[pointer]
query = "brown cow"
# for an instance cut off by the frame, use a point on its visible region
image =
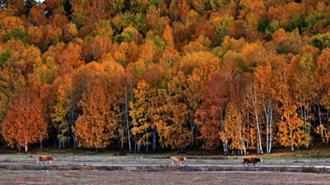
(252, 160)
(44, 159)
(177, 160)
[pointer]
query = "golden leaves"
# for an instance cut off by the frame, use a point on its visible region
(168, 36)
(141, 112)
(97, 126)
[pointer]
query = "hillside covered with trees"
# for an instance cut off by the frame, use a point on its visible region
(160, 75)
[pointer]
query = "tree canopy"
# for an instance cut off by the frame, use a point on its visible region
(231, 75)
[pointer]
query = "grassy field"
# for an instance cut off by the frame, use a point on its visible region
(318, 152)
(314, 152)
(73, 167)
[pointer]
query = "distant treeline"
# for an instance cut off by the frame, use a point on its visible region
(152, 75)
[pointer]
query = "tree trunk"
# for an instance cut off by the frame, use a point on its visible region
(240, 136)
(319, 113)
(306, 126)
(268, 112)
(225, 149)
(40, 144)
(192, 139)
(26, 148)
(122, 140)
(291, 137)
(259, 148)
(267, 128)
(270, 128)
(135, 145)
(154, 140)
(127, 125)
(18, 148)
(328, 122)
(72, 118)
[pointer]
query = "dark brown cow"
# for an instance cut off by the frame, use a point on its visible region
(252, 160)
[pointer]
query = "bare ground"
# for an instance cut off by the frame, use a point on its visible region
(67, 159)
(147, 170)
(8, 177)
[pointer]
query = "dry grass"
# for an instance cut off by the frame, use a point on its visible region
(315, 152)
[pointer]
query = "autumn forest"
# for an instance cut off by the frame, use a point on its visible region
(165, 75)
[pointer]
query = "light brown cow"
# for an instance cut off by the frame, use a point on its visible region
(177, 160)
(45, 159)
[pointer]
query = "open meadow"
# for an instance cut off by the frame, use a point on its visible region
(281, 167)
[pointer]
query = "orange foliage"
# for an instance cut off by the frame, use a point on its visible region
(208, 116)
(171, 74)
(97, 126)
(24, 123)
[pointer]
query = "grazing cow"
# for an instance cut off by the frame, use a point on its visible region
(46, 159)
(177, 160)
(252, 160)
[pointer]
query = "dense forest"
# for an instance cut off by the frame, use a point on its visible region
(153, 75)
